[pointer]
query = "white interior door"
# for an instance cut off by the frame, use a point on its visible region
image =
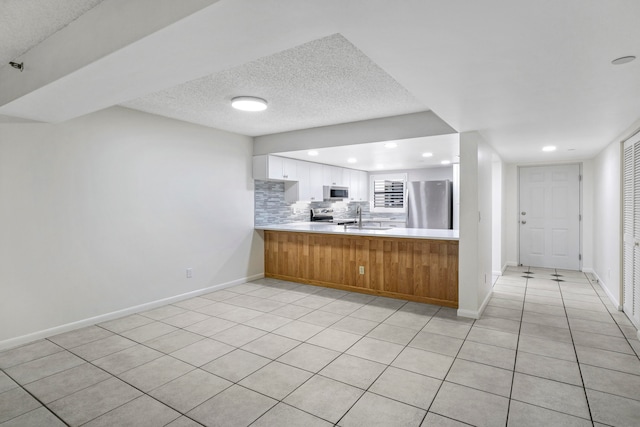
(631, 230)
(550, 216)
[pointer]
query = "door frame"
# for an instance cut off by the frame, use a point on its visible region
(580, 203)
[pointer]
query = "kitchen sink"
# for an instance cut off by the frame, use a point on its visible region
(370, 227)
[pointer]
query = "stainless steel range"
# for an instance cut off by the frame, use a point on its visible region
(326, 215)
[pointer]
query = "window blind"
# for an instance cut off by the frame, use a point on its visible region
(388, 193)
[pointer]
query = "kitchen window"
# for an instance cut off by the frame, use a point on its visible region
(388, 193)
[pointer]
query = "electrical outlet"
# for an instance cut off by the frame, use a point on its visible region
(189, 273)
(361, 269)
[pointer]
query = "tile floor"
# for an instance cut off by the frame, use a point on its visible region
(273, 353)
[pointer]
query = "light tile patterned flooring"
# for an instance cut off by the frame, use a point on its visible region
(273, 353)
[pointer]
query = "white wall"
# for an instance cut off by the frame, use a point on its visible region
(587, 241)
(503, 217)
(498, 256)
(414, 125)
(607, 221)
(105, 212)
(485, 225)
(475, 224)
(511, 218)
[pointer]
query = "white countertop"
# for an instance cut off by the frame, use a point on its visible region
(324, 228)
(364, 220)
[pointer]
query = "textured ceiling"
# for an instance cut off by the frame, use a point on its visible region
(323, 82)
(25, 23)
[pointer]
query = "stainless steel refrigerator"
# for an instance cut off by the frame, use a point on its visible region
(430, 204)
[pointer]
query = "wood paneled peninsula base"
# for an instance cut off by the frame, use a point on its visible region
(420, 270)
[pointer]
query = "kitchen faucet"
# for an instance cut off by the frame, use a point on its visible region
(359, 214)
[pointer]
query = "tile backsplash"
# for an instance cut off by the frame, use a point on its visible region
(271, 208)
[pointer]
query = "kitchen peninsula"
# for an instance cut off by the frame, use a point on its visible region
(408, 263)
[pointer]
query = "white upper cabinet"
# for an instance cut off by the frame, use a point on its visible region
(275, 168)
(309, 185)
(364, 186)
(334, 175)
(315, 182)
(358, 185)
(289, 169)
(304, 180)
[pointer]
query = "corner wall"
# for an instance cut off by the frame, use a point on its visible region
(607, 228)
(105, 212)
(474, 289)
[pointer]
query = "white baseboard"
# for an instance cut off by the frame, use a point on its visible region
(613, 300)
(472, 314)
(24, 339)
(501, 272)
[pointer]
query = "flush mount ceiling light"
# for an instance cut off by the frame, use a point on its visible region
(623, 60)
(352, 160)
(445, 162)
(248, 103)
(312, 153)
(390, 145)
(549, 148)
(427, 154)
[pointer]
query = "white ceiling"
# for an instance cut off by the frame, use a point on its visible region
(319, 83)
(523, 74)
(377, 156)
(25, 23)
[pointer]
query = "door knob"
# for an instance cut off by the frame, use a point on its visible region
(524, 222)
(523, 213)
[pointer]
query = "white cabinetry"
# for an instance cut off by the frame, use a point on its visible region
(309, 185)
(304, 180)
(334, 175)
(274, 168)
(358, 185)
(315, 193)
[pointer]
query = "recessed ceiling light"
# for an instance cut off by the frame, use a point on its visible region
(623, 60)
(427, 154)
(352, 160)
(390, 145)
(249, 103)
(445, 162)
(312, 153)
(549, 148)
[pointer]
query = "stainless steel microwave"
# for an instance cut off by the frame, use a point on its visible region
(332, 193)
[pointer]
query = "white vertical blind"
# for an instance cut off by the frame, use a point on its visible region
(631, 229)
